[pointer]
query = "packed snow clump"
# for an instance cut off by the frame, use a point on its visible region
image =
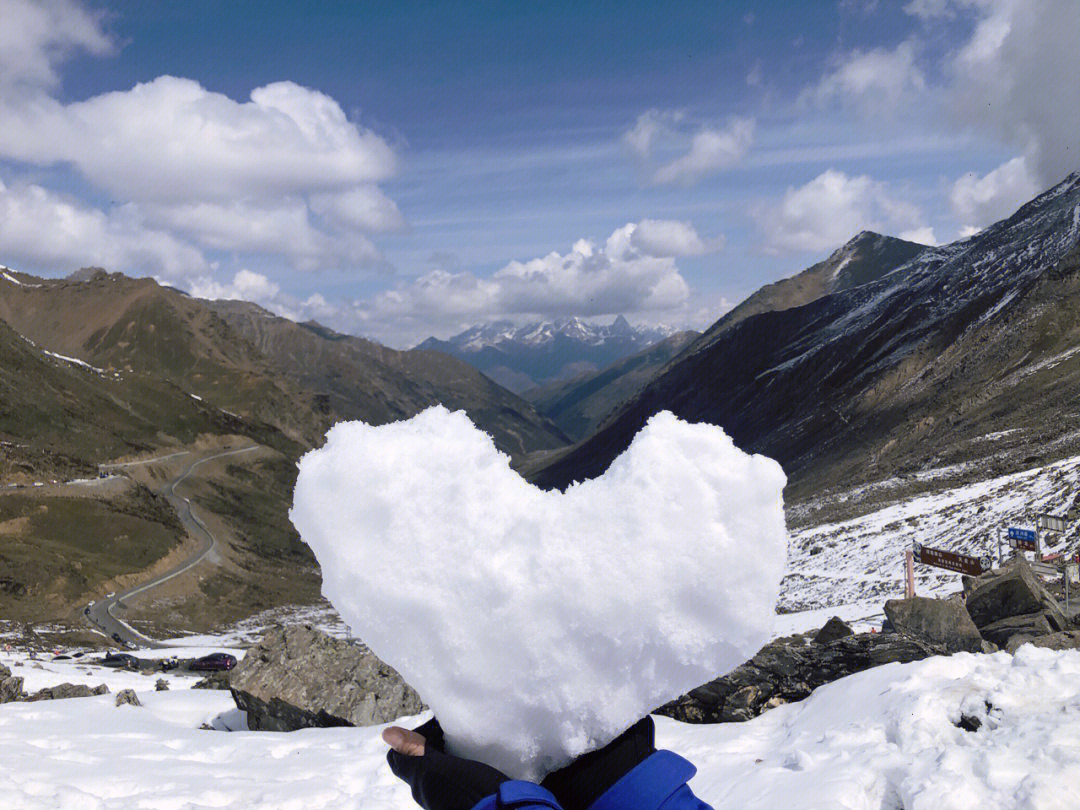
(540, 625)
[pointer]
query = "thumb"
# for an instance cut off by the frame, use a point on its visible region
(405, 742)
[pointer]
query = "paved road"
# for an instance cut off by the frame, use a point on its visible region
(101, 612)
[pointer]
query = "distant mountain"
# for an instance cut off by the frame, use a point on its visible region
(579, 405)
(359, 379)
(867, 257)
(523, 357)
(967, 353)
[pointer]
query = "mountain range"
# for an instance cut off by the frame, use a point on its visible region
(911, 369)
(523, 357)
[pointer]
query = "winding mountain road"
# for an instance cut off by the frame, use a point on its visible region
(100, 612)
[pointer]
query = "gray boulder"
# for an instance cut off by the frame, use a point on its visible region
(938, 621)
(1066, 640)
(834, 628)
(789, 669)
(298, 677)
(161, 685)
(1026, 626)
(63, 691)
(127, 697)
(11, 687)
(1016, 591)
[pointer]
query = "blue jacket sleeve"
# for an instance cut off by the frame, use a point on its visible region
(657, 783)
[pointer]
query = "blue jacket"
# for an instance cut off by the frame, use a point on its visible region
(656, 783)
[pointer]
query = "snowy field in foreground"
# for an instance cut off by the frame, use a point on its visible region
(880, 740)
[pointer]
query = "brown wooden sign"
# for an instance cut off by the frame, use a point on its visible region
(951, 560)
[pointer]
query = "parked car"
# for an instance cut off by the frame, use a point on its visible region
(120, 660)
(215, 662)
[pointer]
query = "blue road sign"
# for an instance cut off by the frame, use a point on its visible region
(1021, 534)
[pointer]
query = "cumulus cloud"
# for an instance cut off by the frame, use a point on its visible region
(833, 207)
(669, 237)
(172, 140)
(878, 79)
(1012, 79)
(657, 134)
(979, 201)
(58, 233)
(246, 285)
(37, 35)
(283, 173)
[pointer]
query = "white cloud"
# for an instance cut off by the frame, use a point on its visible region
(284, 173)
(246, 285)
(38, 34)
(979, 201)
(1017, 78)
(703, 152)
(283, 228)
(923, 236)
(58, 233)
(878, 80)
(172, 140)
(668, 237)
(832, 208)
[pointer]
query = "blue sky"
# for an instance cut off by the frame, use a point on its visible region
(401, 169)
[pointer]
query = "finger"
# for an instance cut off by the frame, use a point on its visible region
(404, 741)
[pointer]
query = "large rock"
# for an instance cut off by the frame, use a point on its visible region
(1027, 626)
(834, 628)
(127, 697)
(1067, 640)
(937, 621)
(298, 677)
(11, 687)
(63, 691)
(789, 669)
(1016, 591)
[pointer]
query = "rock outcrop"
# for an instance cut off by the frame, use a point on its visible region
(11, 687)
(834, 628)
(1066, 640)
(1014, 591)
(127, 697)
(944, 622)
(63, 691)
(789, 669)
(298, 677)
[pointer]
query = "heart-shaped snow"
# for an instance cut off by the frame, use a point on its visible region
(540, 625)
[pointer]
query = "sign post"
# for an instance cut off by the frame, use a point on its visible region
(1023, 539)
(951, 560)
(909, 566)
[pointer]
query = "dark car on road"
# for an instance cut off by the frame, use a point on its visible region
(120, 660)
(215, 662)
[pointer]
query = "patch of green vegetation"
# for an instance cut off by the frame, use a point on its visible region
(54, 551)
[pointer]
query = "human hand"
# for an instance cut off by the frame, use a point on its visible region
(439, 781)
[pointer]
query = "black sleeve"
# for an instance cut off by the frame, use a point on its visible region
(589, 776)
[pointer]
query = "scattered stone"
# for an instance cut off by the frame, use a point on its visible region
(938, 621)
(789, 669)
(834, 628)
(215, 680)
(127, 697)
(1015, 591)
(1066, 640)
(161, 685)
(969, 722)
(1029, 625)
(11, 687)
(298, 677)
(69, 690)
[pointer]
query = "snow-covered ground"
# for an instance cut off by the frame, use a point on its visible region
(847, 566)
(884, 739)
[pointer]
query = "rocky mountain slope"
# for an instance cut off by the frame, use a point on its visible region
(359, 379)
(578, 406)
(520, 358)
(867, 257)
(975, 338)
